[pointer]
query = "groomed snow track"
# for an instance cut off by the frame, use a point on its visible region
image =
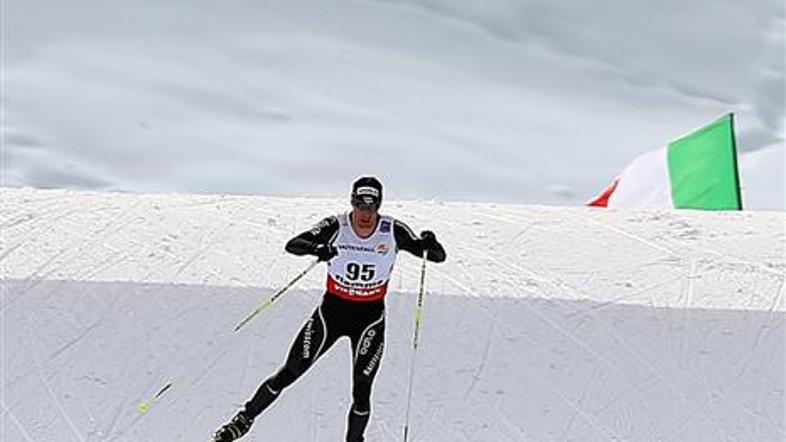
(544, 324)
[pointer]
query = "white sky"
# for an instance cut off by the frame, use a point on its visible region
(529, 101)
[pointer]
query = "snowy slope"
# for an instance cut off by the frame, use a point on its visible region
(544, 323)
(527, 101)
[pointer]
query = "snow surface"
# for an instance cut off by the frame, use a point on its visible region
(545, 324)
(528, 101)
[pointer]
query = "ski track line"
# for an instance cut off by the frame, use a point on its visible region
(635, 238)
(548, 384)
(123, 432)
(724, 258)
(478, 430)
(117, 257)
(531, 275)
(554, 390)
(572, 419)
(778, 300)
(463, 267)
(93, 422)
(89, 273)
(16, 221)
(685, 421)
(10, 250)
(66, 315)
(402, 385)
(510, 425)
(519, 235)
(627, 392)
(36, 278)
(35, 231)
(597, 425)
(115, 419)
(688, 293)
(155, 328)
(429, 423)
(41, 219)
(211, 365)
(766, 419)
(658, 284)
(15, 420)
(257, 227)
(504, 219)
(314, 412)
(561, 329)
(556, 281)
(743, 373)
(249, 357)
(32, 281)
(57, 199)
(198, 418)
(198, 254)
(552, 281)
(47, 387)
(13, 382)
(765, 329)
(482, 364)
(76, 340)
(612, 302)
(646, 363)
(384, 428)
(208, 202)
(565, 332)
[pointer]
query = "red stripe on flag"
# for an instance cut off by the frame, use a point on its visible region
(603, 199)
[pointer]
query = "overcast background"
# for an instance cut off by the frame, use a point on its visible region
(529, 101)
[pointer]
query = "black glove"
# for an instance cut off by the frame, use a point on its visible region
(325, 252)
(428, 239)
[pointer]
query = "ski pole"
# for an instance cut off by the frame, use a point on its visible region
(144, 407)
(267, 303)
(415, 339)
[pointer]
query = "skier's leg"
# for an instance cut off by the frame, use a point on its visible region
(312, 341)
(367, 355)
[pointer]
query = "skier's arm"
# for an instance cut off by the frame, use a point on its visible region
(307, 242)
(406, 240)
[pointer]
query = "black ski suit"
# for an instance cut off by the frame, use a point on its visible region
(362, 322)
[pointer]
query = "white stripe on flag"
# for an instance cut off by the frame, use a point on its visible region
(645, 183)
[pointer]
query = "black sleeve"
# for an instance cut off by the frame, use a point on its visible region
(306, 242)
(407, 240)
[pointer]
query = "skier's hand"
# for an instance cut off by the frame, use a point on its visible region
(428, 239)
(325, 252)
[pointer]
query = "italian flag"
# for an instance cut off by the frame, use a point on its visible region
(697, 171)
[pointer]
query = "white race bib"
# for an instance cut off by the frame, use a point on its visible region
(362, 269)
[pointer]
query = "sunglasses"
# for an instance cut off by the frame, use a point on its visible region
(365, 202)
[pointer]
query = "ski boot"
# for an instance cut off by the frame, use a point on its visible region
(234, 430)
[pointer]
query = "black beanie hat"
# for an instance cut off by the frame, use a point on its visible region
(367, 193)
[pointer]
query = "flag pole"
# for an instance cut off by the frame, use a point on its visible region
(736, 165)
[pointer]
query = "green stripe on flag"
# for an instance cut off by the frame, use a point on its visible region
(703, 168)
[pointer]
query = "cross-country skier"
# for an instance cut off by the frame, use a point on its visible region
(360, 249)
